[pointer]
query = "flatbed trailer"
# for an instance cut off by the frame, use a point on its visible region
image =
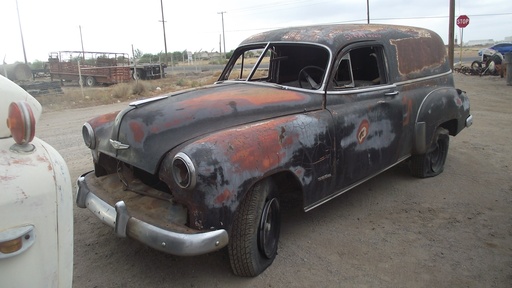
(92, 67)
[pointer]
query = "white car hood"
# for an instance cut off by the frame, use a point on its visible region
(10, 92)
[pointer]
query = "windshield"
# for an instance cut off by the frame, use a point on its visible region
(288, 64)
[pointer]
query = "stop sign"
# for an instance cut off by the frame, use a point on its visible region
(462, 21)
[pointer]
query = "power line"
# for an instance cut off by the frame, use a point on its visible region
(377, 19)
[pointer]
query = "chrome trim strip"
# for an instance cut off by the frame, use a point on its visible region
(174, 243)
(469, 121)
(424, 78)
(144, 101)
(334, 195)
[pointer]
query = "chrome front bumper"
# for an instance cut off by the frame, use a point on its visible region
(176, 243)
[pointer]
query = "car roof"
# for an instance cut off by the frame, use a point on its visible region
(335, 36)
(418, 52)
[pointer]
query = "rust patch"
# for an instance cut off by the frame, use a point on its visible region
(7, 178)
(262, 149)
(100, 120)
(417, 54)
(244, 96)
(223, 197)
(137, 131)
(407, 108)
(362, 131)
(22, 161)
(45, 160)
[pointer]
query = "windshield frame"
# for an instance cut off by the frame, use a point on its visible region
(239, 53)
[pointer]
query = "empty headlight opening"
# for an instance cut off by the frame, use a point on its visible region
(89, 136)
(183, 171)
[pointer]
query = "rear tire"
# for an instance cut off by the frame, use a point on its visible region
(139, 74)
(432, 163)
(255, 232)
(90, 81)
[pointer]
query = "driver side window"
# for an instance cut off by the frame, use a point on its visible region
(359, 67)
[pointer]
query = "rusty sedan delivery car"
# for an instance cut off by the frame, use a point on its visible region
(312, 111)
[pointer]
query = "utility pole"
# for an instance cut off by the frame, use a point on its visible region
(163, 26)
(82, 42)
(368, 11)
(21, 33)
(223, 35)
(451, 32)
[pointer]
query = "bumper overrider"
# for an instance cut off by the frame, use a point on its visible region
(181, 242)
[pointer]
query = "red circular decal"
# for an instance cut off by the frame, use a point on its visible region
(362, 131)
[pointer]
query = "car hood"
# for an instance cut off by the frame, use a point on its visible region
(153, 127)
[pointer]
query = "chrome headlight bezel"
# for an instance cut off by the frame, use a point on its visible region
(89, 136)
(184, 171)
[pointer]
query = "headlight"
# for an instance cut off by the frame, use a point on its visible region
(88, 135)
(183, 171)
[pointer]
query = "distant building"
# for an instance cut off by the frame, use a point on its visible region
(480, 42)
(508, 39)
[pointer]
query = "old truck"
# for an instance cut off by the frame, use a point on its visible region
(99, 67)
(321, 110)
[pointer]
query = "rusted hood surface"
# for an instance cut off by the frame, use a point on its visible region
(153, 128)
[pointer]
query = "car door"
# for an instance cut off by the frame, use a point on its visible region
(368, 115)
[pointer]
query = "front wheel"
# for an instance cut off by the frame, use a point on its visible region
(432, 163)
(255, 232)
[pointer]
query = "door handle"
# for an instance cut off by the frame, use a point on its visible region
(391, 94)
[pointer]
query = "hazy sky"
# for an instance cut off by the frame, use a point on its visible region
(116, 25)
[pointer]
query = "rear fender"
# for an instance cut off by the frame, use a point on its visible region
(444, 107)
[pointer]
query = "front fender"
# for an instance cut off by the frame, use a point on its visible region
(447, 107)
(230, 162)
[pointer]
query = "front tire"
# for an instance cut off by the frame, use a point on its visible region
(255, 232)
(432, 163)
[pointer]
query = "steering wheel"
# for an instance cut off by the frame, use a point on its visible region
(307, 72)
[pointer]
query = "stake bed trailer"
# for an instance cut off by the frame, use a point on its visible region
(99, 67)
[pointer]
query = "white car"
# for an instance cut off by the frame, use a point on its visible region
(36, 206)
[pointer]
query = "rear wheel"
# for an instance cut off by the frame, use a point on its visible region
(138, 74)
(255, 232)
(432, 163)
(90, 81)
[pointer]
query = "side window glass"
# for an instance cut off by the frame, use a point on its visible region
(359, 68)
(245, 63)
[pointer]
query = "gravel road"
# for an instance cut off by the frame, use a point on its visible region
(454, 230)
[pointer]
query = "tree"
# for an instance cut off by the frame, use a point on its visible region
(137, 53)
(37, 64)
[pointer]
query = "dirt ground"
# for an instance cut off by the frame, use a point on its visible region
(454, 230)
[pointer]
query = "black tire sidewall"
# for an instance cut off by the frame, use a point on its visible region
(421, 165)
(244, 253)
(90, 81)
(440, 145)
